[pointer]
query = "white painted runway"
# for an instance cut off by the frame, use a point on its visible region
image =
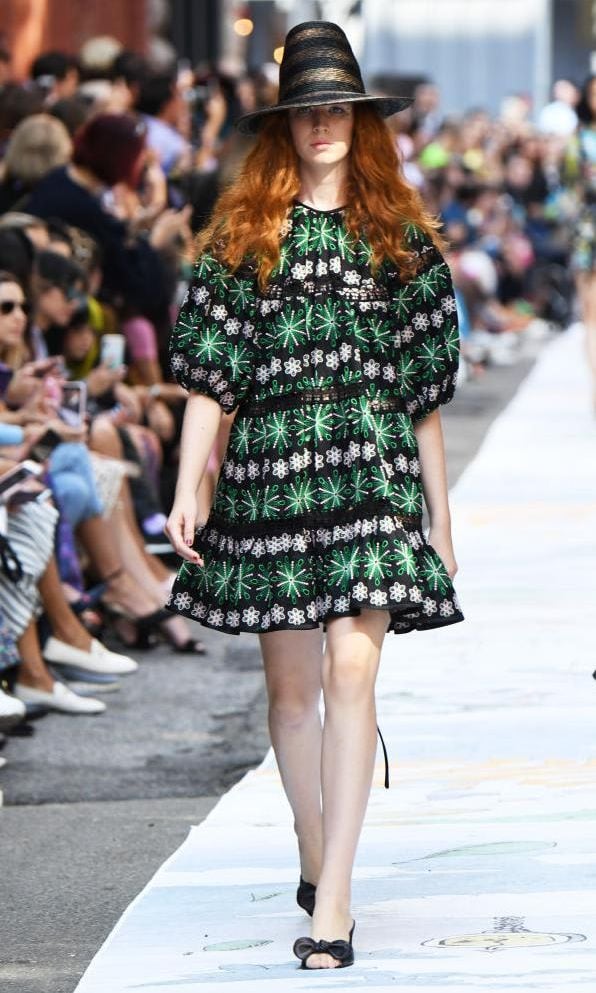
(477, 869)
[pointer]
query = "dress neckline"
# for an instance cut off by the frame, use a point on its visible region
(318, 210)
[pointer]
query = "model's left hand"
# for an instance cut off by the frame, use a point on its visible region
(440, 539)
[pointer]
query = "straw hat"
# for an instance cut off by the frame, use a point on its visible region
(319, 67)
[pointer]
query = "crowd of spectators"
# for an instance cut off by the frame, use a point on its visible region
(106, 173)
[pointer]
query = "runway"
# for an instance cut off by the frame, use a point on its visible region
(476, 869)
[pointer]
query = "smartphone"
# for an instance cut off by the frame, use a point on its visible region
(43, 448)
(12, 480)
(73, 405)
(111, 350)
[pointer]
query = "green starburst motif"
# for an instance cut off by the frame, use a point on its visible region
(342, 566)
(241, 293)
(210, 344)
(226, 502)
(435, 572)
(314, 423)
(364, 417)
(204, 266)
(405, 560)
(359, 484)
(342, 426)
(402, 302)
(425, 286)
(451, 342)
(364, 252)
(292, 578)
(284, 260)
(326, 324)
(223, 573)
(431, 357)
(361, 333)
(241, 439)
(345, 244)
(270, 500)
(381, 333)
(288, 330)
(409, 497)
(220, 281)
(333, 490)
(238, 359)
(385, 432)
(377, 561)
(380, 484)
(349, 375)
(412, 233)
(243, 581)
(405, 430)
(406, 371)
(301, 238)
(300, 495)
(251, 502)
(277, 431)
(323, 234)
(186, 328)
(263, 580)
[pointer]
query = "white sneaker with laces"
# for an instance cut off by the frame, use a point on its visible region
(61, 698)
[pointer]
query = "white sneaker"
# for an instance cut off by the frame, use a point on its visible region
(61, 698)
(11, 710)
(98, 659)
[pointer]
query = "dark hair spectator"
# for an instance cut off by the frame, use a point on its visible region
(57, 74)
(585, 107)
(72, 111)
(110, 145)
(155, 94)
(16, 103)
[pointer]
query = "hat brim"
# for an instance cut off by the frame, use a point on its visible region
(386, 106)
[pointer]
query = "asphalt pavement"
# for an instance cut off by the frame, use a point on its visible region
(92, 806)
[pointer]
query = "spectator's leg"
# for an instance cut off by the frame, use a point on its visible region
(33, 671)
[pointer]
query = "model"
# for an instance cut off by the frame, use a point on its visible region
(321, 311)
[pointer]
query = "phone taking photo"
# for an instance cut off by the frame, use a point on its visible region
(111, 350)
(12, 481)
(73, 406)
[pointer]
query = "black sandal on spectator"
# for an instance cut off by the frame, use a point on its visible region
(144, 628)
(191, 646)
(305, 896)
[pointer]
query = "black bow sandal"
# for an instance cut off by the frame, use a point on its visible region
(339, 949)
(305, 896)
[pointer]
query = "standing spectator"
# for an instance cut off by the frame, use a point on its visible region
(57, 74)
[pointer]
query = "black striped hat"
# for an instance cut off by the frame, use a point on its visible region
(319, 67)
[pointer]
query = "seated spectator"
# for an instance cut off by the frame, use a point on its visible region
(37, 145)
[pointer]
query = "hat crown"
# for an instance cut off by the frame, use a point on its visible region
(317, 58)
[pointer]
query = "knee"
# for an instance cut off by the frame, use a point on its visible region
(291, 712)
(348, 677)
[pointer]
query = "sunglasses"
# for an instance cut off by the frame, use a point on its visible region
(7, 306)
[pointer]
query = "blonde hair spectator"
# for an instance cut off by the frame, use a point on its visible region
(38, 144)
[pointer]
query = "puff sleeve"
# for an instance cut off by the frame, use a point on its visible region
(212, 344)
(429, 332)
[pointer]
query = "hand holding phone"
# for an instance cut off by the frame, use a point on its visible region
(111, 350)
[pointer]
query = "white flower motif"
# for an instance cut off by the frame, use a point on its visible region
(262, 374)
(371, 368)
(233, 618)
(414, 467)
(292, 367)
(448, 304)
(368, 527)
(228, 399)
(280, 468)
(233, 325)
(334, 455)
(182, 601)
(446, 608)
(199, 610)
(335, 263)
(308, 266)
(298, 271)
(299, 543)
(319, 460)
(306, 360)
(401, 462)
(324, 603)
(332, 360)
(397, 591)
(407, 334)
(258, 548)
(311, 611)
(277, 613)
(415, 540)
(351, 277)
(321, 269)
(316, 356)
(389, 373)
(341, 605)
(216, 618)
(436, 318)
(354, 449)
(297, 461)
(296, 616)
(345, 350)
(420, 321)
(253, 469)
(378, 598)
(177, 362)
(239, 473)
(433, 392)
(198, 374)
(219, 312)
(416, 594)
(200, 294)
(360, 592)
(265, 307)
(250, 615)
(275, 365)
(368, 451)
(429, 606)
(285, 542)
(386, 525)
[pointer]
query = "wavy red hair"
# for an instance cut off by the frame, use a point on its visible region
(248, 218)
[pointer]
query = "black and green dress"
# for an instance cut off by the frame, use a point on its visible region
(318, 507)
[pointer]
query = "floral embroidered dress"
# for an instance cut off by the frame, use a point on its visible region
(318, 507)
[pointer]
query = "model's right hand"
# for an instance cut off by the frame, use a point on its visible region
(181, 526)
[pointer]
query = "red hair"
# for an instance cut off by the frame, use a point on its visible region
(110, 146)
(248, 219)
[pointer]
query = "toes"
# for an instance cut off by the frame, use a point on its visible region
(321, 962)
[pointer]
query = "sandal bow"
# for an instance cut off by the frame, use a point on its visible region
(339, 949)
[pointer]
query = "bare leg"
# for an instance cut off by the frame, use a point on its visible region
(293, 662)
(586, 285)
(350, 668)
(65, 624)
(109, 548)
(33, 670)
